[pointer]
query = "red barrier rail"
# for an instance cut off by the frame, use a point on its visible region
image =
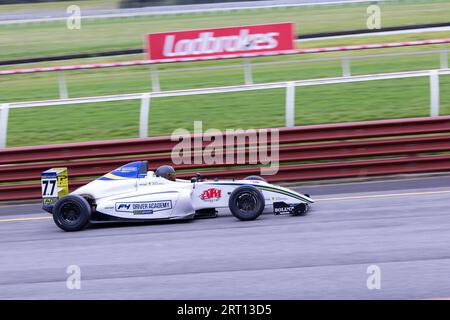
(323, 151)
(304, 134)
(393, 146)
(219, 57)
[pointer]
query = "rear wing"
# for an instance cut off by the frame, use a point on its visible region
(54, 185)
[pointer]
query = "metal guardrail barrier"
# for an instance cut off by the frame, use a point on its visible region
(342, 149)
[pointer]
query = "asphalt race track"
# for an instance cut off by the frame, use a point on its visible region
(401, 226)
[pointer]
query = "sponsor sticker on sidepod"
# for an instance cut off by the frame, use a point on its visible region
(211, 194)
(282, 208)
(145, 207)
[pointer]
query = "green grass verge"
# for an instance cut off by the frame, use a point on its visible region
(60, 7)
(53, 38)
(41, 86)
(320, 104)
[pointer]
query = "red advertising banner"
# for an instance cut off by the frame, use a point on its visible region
(221, 42)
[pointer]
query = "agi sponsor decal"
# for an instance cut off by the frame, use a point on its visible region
(221, 42)
(147, 207)
(211, 194)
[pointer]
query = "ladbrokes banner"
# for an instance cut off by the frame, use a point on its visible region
(221, 42)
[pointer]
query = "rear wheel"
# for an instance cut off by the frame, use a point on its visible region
(72, 213)
(246, 203)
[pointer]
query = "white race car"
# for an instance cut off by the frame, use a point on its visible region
(132, 193)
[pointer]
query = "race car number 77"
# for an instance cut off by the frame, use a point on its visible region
(49, 188)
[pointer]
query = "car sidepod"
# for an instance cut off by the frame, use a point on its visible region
(278, 200)
(169, 204)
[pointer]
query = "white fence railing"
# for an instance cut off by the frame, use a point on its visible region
(289, 85)
(247, 66)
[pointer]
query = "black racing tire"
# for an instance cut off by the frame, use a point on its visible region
(246, 203)
(72, 213)
(255, 178)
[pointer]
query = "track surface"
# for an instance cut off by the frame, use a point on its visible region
(401, 226)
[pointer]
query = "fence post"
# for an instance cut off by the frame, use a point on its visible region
(63, 93)
(248, 71)
(290, 104)
(444, 60)
(346, 71)
(143, 119)
(434, 93)
(155, 78)
(4, 110)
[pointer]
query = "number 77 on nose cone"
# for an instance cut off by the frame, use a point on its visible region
(54, 185)
(221, 42)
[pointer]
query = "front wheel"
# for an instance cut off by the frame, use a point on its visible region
(72, 213)
(246, 203)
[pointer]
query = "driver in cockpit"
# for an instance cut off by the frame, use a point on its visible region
(167, 172)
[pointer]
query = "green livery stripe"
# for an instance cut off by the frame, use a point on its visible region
(286, 193)
(275, 190)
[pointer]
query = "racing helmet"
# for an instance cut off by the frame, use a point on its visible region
(167, 172)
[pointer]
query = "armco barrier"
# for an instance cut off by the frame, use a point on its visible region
(306, 153)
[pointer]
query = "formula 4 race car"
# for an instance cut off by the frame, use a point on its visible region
(132, 193)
